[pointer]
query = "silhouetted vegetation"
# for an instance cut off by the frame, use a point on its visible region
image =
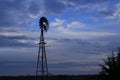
(57, 77)
(111, 68)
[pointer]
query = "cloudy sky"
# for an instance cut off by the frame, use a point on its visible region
(81, 34)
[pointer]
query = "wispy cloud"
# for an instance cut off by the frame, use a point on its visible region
(74, 30)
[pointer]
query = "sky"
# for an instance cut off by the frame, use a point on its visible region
(81, 34)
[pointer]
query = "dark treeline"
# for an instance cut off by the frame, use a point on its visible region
(110, 70)
(57, 77)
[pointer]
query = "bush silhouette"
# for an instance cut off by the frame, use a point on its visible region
(110, 70)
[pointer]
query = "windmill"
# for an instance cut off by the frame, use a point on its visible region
(42, 68)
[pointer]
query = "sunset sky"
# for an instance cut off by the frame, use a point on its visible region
(81, 34)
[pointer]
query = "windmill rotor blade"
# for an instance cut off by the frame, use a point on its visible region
(43, 23)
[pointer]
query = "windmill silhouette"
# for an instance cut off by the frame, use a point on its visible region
(42, 68)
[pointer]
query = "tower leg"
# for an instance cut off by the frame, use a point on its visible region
(42, 68)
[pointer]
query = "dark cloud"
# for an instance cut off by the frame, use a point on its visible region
(28, 67)
(10, 12)
(101, 9)
(23, 12)
(75, 67)
(34, 8)
(13, 41)
(70, 64)
(17, 13)
(83, 2)
(54, 6)
(17, 68)
(57, 6)
(76, 46)
(106, 12)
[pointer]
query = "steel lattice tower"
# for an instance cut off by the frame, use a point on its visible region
(42, 68)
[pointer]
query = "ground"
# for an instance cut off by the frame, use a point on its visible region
(57, 77)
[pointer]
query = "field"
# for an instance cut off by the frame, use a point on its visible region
(57, 77)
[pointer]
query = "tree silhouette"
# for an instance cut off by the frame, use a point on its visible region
(110, 70)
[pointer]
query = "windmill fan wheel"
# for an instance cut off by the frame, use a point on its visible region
(43, 23)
